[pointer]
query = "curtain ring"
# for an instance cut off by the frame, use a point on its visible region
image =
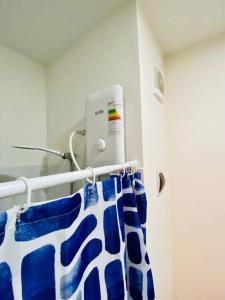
(134, 169)
(124, 170)
(131, 171)
(25, 207)
(93, 176)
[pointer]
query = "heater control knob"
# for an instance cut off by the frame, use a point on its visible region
(100, 145)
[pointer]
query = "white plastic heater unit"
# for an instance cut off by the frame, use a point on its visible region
(105, 127)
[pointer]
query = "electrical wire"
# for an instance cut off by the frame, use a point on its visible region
(83, 132)
(71, 150)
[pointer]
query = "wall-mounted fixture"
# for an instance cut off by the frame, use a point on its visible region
(161, 181)
(158, 88)
(105, 127)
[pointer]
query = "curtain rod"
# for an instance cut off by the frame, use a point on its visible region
(17, 187)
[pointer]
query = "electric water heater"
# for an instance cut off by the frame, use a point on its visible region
(105, 127)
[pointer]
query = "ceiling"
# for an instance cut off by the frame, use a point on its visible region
(180, 23)
(43, 29)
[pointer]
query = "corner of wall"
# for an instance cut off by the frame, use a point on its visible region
(155, 158)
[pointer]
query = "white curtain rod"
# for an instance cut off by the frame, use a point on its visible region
(17, 187)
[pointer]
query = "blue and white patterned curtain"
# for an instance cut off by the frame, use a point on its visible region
(91, 246)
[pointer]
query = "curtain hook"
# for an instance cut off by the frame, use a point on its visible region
(124, 170)
(134, 169)
(131, 171)
(25, 207)
(93, 176)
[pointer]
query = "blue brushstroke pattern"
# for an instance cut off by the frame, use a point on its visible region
(38, 274)
(90, 195)
(70, 282)
(144, 234)
(3, 221)
(134, 247)
(47, 218)
(147, 259)
(92, 286)
(114, 280)
(129, 200)
(121, 217)
(108, 187)
(150, 286)
(136, 283)
(118, 184)
(131, 176)
(138, 186)
(126, 183)
(111, 230)
(6, 290)
(131, 218)
(70, 247)
(137, 175)
(142, 207)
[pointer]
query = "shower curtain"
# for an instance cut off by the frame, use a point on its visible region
(91, 246)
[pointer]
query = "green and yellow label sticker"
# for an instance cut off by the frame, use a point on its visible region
(113, 114)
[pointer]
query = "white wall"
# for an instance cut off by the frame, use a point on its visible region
(196, 122)
(154, 156)
(106, 55)
(22, 115)
(120, 50)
